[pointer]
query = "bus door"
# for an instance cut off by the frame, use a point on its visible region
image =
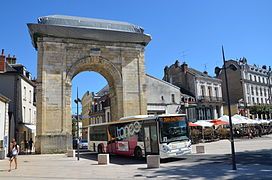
(151, 138)
(111, 146)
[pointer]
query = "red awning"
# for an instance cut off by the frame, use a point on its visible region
(218, 122)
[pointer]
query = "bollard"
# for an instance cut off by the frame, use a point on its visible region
(153, 161)
(71, 153)
(104, 159)
(200, 149)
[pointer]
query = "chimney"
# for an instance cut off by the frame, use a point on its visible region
(14, 59)
(2, 62)
(217, 71)
(176, 63)
(184, 67)
(11, 60)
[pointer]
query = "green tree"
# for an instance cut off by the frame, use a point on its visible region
(261, 109)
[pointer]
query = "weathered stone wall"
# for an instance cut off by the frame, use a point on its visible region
(59, 60)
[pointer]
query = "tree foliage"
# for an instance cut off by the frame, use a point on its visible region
(260, 109)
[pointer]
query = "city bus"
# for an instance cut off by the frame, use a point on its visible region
(142, 135)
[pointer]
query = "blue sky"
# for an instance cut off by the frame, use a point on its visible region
(191, 31)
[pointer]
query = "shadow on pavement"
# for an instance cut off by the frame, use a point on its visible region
(250, 165)
(115, 159)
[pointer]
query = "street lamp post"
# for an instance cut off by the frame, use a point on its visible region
(77, 100)
(230, 121)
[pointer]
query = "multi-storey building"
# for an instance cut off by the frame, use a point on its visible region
(204, 88)
(248, 85)
(4, 126)
(17, 85)
(100, 109)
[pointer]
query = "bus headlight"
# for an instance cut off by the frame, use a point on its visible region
(166, 148)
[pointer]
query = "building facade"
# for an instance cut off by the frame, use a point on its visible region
(206, 90)
(4, 126)
(86, 106)
(20, 89)
(162, 98)
(100, 109)
(248, 85)
(166, 98)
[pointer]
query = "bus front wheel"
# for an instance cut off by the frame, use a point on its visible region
(138, 154)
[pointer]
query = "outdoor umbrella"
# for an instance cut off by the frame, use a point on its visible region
(203, 124)
(218, 122)
(193, 124)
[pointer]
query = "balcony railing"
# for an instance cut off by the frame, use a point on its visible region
(210, 99)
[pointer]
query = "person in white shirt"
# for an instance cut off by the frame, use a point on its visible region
(14, 151)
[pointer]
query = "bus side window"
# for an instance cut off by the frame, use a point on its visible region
(112, 131)
(104, 133)
(140, 135)
(91, 133)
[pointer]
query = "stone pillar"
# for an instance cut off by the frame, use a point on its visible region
(134, 87)
(215, 114)
(221, 111)
(53, 110)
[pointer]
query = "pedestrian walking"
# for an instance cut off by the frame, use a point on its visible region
(250, 134)
(30, 144)
(26, 146)
(14, 151)
(22, 146)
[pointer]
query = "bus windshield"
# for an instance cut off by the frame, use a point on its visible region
(173, 129)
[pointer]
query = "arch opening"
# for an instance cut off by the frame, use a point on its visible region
(110, 101)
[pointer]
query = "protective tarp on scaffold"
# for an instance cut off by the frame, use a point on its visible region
(87, 28)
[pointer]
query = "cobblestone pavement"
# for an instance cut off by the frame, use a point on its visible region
(254, 161)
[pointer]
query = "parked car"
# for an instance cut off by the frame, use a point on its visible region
(83, 144)
(74, 143)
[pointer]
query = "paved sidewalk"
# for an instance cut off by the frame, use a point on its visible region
(241, 145)
(254, 161)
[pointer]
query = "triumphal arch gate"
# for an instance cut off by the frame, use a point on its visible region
(69, 45)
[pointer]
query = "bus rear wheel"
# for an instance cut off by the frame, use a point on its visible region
(138, 154)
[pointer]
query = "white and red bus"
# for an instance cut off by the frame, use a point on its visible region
(164, 135)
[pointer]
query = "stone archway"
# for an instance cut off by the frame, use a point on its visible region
(69, 45)
(108, 70)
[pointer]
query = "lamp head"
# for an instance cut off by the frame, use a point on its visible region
(77, 100)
